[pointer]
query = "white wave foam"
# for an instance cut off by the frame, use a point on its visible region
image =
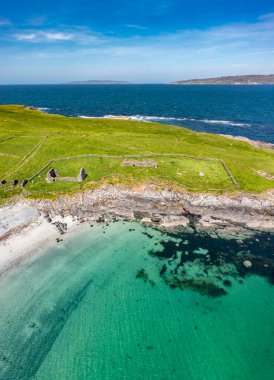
(86, 117)
(208, 121)
(225, 122)
(145, 118)
(42, 109)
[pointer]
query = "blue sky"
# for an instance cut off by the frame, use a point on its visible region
(144, 41)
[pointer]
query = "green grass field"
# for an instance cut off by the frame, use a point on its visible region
(29, 140)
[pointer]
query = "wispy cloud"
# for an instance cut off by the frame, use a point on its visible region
(233, 48)
(77, 35)
(260, 34)
(138, 27)
(37, 21)
(44, 36)
(5, 22)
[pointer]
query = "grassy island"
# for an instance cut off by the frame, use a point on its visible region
(31, 143)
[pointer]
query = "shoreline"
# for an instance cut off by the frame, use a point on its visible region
(28, 226)
(256, 143)
(26, 237)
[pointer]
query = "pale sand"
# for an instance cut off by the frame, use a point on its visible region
(24, 232)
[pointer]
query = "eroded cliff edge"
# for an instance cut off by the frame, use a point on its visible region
(223, 215)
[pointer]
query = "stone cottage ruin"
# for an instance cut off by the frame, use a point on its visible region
(53, 176)
(142, 164)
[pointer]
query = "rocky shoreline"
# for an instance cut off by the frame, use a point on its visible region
(256, 143)
(223, 215)
(239, 226)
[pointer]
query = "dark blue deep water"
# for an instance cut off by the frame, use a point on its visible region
(238, 110)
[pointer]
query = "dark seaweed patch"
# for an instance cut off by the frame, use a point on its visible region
(258, 249)
(141, 274)
(203, 287)
(216, 252)
(227, 283)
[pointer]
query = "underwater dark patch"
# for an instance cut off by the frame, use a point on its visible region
(179, 249)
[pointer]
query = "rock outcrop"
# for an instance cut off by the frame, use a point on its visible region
(223, 215)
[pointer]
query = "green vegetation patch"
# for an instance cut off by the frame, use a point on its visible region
(191, 173)
(42, 138)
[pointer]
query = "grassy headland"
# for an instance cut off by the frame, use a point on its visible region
(29, 140)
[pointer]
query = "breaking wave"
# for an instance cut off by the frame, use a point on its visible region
(43, 109)
(87, 117)
(170, 119)
(207, 121)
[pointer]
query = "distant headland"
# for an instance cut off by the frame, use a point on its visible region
(237, 79)
(106, 81)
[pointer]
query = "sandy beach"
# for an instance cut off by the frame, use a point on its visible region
(24, 231)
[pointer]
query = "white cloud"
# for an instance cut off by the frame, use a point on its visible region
(5, 22)
(77, 35)
(26, 37)
(230, 49)
(44, 36)
(58, 36)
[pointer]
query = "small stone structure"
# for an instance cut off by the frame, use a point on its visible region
(142, 164)
(24, 182)
(53, 176)
(13, 182)
(82, 175)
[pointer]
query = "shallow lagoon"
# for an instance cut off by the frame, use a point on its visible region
(124, 301)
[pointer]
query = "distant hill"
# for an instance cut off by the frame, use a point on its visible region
(98, 82)
(237, 79)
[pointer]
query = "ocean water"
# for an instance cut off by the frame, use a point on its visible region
(124, 301)
(237, 110)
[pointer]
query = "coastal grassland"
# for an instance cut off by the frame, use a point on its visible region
(179, 171)
(29, 140)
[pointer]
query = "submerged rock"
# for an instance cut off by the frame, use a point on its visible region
(247, 263)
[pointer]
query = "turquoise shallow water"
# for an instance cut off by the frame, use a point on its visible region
(101, 305)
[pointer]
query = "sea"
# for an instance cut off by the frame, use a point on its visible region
(239, 110)
(124, 301)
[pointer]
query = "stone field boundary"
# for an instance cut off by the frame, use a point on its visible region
(149, 155)
(34, 150)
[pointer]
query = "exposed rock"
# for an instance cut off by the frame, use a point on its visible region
(174, 222)
(146, 221)
(247, 264)
(220, 215)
